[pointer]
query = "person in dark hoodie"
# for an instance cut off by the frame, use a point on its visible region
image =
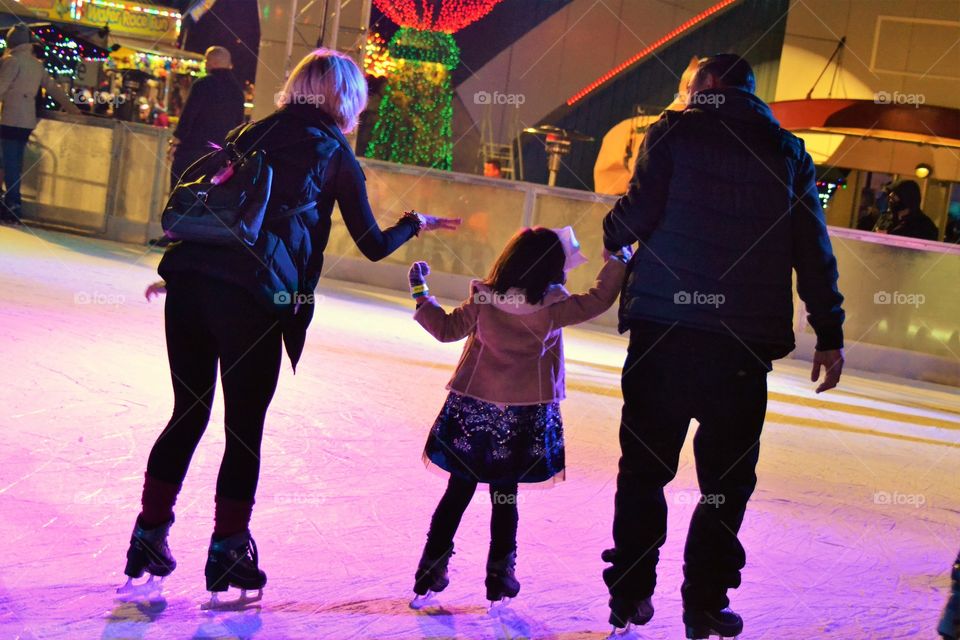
(214, 106)
(725, 207)
(906, 216)
(221, 313)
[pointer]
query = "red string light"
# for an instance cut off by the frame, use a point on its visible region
(700, 17)
(447, 16)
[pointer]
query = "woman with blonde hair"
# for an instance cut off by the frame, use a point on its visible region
(216, 314)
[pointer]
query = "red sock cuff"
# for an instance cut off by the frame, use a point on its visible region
(157, 500)
(231, 516)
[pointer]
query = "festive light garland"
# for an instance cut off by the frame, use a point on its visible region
(447, 16)
(826, 189)
(647, 50)
(416, 113)
(62, 54)
(376, 58)
(156, 64)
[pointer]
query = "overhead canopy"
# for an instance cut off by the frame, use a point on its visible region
(876, 136)
(882, 120)
(14, 13)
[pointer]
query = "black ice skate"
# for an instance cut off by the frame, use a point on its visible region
(703, 624)
(233, 562)
(949, 628)
(149, 553)
(431, 578)
(501, 582)
(626, 612)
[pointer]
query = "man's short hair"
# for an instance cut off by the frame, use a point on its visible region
(729, 69)
(218, 58)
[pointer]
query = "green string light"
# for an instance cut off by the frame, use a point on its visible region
(416, 113)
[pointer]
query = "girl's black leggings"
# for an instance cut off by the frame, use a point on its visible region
(446, 518)
(209, 322)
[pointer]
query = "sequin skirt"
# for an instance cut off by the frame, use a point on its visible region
(492, 443)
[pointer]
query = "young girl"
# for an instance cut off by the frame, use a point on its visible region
(501, 422)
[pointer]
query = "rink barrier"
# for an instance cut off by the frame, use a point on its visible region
(109, 179)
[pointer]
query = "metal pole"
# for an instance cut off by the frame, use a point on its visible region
(291, 30)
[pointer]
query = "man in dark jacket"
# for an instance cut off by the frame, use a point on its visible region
(724, 205)
(213, 107)
(903, 201)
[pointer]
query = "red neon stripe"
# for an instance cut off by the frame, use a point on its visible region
(649, 49)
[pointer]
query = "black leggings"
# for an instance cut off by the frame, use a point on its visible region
(209, 321)
(446, 519)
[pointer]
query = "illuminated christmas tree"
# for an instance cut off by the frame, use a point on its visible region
(415, 123)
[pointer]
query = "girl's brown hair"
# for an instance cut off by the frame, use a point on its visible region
(533, 260)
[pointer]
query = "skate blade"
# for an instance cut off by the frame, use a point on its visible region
(427, 599)
(243, 601)
(496, 606)
(626, 633)
(150, 590)
(706, 635)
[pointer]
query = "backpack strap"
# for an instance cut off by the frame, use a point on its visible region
(292, 211)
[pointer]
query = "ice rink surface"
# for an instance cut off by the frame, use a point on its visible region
(850, 534)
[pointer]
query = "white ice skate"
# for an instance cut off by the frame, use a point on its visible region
(150, 590)
(243, 601)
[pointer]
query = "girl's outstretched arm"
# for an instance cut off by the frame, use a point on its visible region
(445, 327)
(581, 307)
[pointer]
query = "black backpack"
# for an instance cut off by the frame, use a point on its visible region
(221, 199)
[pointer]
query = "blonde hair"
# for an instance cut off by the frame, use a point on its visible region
(331, 82)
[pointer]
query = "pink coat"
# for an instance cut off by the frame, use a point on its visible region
(514, 350)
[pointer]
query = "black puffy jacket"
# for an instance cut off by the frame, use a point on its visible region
(311, 162)
(725, 206)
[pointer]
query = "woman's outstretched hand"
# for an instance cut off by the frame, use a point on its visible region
(432, 223)
(155, 289)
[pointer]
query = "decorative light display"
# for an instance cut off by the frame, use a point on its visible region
(826, 189)
(416, 113)
(448, 16)
(647, 50)
(157, 65)
(376, 58)
(62, 54)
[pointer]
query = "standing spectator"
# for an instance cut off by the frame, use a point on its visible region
(868, 214)
(214, 106)
(903, 202)
(21, 77)
(725, 207)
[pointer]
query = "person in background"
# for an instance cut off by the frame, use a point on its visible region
(907, 218)
(21, 77)
(492, 169)
(214, 106)
(952, 232)
(869, 214)
(159, 117)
